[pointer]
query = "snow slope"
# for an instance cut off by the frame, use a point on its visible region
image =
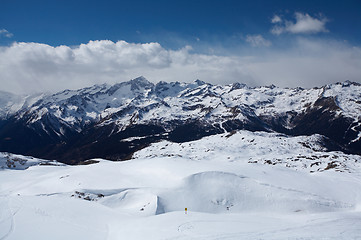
(225, 181)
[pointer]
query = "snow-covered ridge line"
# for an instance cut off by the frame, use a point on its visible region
(97, 101)
(302, 153)
(145, 112)
(170, 101)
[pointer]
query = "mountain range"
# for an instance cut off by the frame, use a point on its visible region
(114, 121)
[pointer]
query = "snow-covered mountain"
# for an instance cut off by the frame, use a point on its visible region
(11, 103)
(236, 185)
(113, 121)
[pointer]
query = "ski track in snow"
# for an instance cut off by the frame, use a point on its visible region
(7, 218)
(189, 230)
(7, 215)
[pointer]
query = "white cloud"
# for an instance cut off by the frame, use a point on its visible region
(32, 66)
(304, 24)
(276, 19)
(257, 41)
(5, 33)
(26, 67)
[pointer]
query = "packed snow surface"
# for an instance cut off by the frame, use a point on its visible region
(242, 185)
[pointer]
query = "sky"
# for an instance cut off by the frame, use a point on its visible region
(55, 45)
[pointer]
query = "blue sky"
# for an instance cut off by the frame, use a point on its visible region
(75, 22)
(260, 37)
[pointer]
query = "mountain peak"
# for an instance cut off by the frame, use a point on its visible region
(199, 82)
(347, 83)
(140, 82)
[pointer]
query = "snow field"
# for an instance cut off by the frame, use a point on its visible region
(228, 196)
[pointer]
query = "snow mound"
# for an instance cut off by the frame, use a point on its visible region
(133, 201)
(219, 192)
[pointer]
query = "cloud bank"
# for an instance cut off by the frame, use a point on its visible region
(29, 67)
(304, 24)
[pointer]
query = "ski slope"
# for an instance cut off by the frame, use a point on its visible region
(228, 196)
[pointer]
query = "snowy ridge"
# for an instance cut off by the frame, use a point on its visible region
(19, 162)
(7, 102)
(130, 115)
(303, 153)
(180, 101)
(11, 103)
